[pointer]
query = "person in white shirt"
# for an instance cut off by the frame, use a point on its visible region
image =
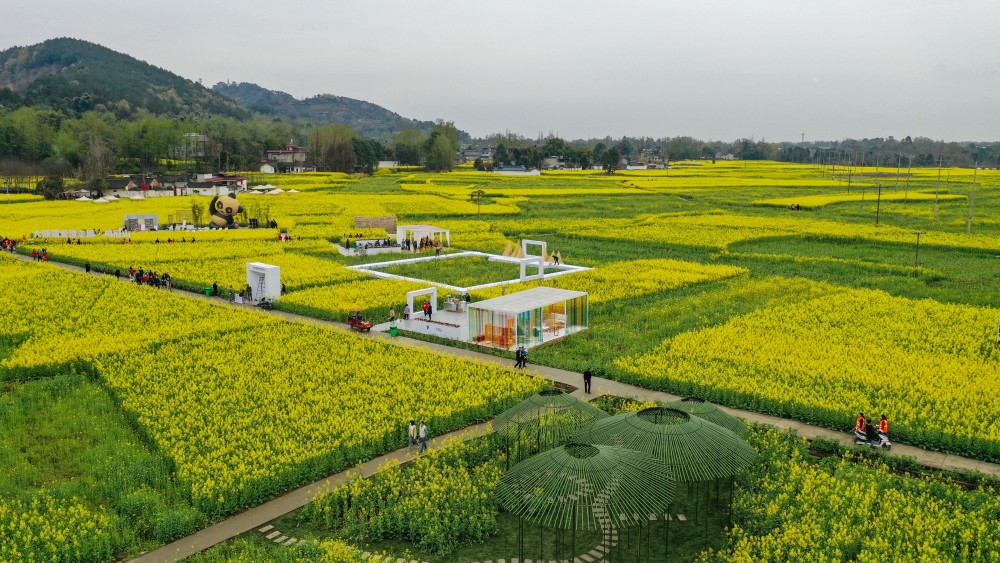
(422, 434)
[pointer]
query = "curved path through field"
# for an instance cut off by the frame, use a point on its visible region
(259, 515)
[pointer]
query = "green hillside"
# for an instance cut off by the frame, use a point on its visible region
(75, 75)
(368, 119)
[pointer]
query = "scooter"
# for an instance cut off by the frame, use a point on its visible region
(881, 441)
(266, 304)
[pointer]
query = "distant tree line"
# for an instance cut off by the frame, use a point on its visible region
(41, 141)
(610, 153)
(88, 141)
(435, 150)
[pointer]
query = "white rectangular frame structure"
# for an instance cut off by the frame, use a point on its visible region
(271, 276)
(374, 269)
(432, 291)
(532, 260)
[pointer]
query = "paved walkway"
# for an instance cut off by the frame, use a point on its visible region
(284, 504)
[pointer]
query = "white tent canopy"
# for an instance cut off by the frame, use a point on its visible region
(276, 191)
(417, 232)
(83, 198)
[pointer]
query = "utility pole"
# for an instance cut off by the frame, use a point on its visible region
(972, 199)
(937, 188)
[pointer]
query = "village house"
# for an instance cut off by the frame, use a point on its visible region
(153, 185)
(292, 158)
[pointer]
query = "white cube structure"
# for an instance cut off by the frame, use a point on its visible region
(264, 280)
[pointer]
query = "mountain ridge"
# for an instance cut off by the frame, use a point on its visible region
(367, 118)
(76, 75)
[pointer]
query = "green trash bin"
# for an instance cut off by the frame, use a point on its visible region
(393, 331)
(208, 292)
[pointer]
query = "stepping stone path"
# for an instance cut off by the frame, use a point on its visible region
(598, 554)
(277, 537)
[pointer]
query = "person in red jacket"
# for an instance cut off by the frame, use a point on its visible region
(883, 425)
(860, 423)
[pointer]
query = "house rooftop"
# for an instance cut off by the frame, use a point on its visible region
(527, 300)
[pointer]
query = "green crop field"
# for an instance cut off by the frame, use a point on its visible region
(703, 280)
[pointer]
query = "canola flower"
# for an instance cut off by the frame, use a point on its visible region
(932, 367)
(50, 331)
(335, 302)
(48, 528)
(793, 509)
(244, 404)
(625, 279)
(321, 400)
(440, 501)
(813, 201)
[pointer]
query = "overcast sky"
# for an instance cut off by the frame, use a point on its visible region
(709, 69)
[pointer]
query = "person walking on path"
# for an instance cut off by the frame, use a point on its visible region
(522, 357)
(427, 309)
(422, 434)
(411, 435)
(587, 374)
(392, 314)
(87, 267)
(406, 312)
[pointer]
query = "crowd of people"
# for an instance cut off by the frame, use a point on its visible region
(144, 277)
(381, 243)
(421, 244)
(173, 240)
(9, 244)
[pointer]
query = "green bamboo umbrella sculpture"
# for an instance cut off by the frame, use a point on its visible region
(705, 410)
(542, 421)
(697, 451)
(585, 487)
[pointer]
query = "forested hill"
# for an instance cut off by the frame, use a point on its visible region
(76, 75)
(368, 119)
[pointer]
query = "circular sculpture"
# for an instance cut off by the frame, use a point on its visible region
(549, 418)
(710, 412)
(585, 486)
(693, 448)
